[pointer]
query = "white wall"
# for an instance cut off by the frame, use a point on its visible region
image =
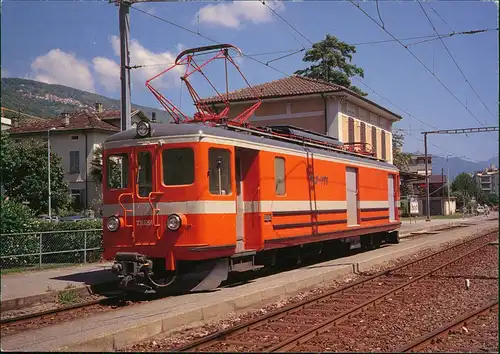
(61, 143)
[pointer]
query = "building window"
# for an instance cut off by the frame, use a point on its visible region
(74, 137)
(145, 177)
(363, 132)
(279, 176)
(384, 152)
(178, 166)
(74, 162)
(351, 130)
(219, 172)
(374, 140)
(117, 171)
(76, 198)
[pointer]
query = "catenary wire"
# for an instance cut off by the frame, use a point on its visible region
(215, 41)
(420, 61)
(454, 61)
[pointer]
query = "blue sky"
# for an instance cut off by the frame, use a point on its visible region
(75, 43)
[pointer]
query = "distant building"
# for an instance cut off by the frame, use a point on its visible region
(417, 164)
(74, 137)
(488, 179)
(6, 123)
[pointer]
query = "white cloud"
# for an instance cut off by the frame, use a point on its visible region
(233, 14)
(108, 73)
(154, 64)
(59, 67)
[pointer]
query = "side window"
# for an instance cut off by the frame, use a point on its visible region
(178, 166)
(74, 162)
(219, 173)
(144, 175)
(279, 176)
(117, 170)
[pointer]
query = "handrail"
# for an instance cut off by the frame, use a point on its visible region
(153, 209)
(124, 209)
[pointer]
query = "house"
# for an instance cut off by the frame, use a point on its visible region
(113, 117)
(488, 179)
(318, 106)
(417, 164)
(74, 136)
(6, 123)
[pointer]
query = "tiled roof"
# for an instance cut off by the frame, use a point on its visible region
(288, 86)
(113, 114)
(82, 120)
(294, 85)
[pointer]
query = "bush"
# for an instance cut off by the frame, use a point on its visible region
(53, 242)
(15, 217)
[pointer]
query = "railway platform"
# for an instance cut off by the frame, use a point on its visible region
(21, 290)
(120, 328)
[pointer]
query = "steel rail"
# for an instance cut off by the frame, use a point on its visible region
(443, 331)
(242, 328)
(35, 315)
(310, 333)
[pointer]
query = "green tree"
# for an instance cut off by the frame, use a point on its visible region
(24, 175)
(492, 199)
(331, 62)
(96, 163)
(465, 188)
(400, 159)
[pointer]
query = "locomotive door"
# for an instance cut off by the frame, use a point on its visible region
(145, 209)
(351, 184)
(392, 208)
(240, 206)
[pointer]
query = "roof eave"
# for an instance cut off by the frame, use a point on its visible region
(60, 130)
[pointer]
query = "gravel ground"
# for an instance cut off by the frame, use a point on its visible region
(396, 322)
(171, 340)
(485, 327)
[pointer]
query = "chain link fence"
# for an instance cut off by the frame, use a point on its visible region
(49, 248)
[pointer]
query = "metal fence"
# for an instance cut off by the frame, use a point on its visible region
(49, 248)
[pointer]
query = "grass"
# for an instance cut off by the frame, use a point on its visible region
(439, 217)
(68, 297)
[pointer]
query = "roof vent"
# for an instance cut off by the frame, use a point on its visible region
(98, 107)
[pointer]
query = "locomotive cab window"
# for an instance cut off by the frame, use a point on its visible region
(117, 171)
(279, 176)
(144, 174)
(219, 173)
(178, 166)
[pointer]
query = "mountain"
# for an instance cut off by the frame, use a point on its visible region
(457, 165)
(47, 100)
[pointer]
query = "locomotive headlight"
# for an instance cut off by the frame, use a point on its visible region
(174, 222)
(143, 129)
(113, 223)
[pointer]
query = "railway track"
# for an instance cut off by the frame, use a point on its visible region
(289, 328)
(56, 315)
(438, 338)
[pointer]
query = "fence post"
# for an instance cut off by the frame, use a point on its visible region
(40, 256)
(85, 247)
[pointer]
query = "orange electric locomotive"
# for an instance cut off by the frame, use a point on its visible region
(186, 204)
